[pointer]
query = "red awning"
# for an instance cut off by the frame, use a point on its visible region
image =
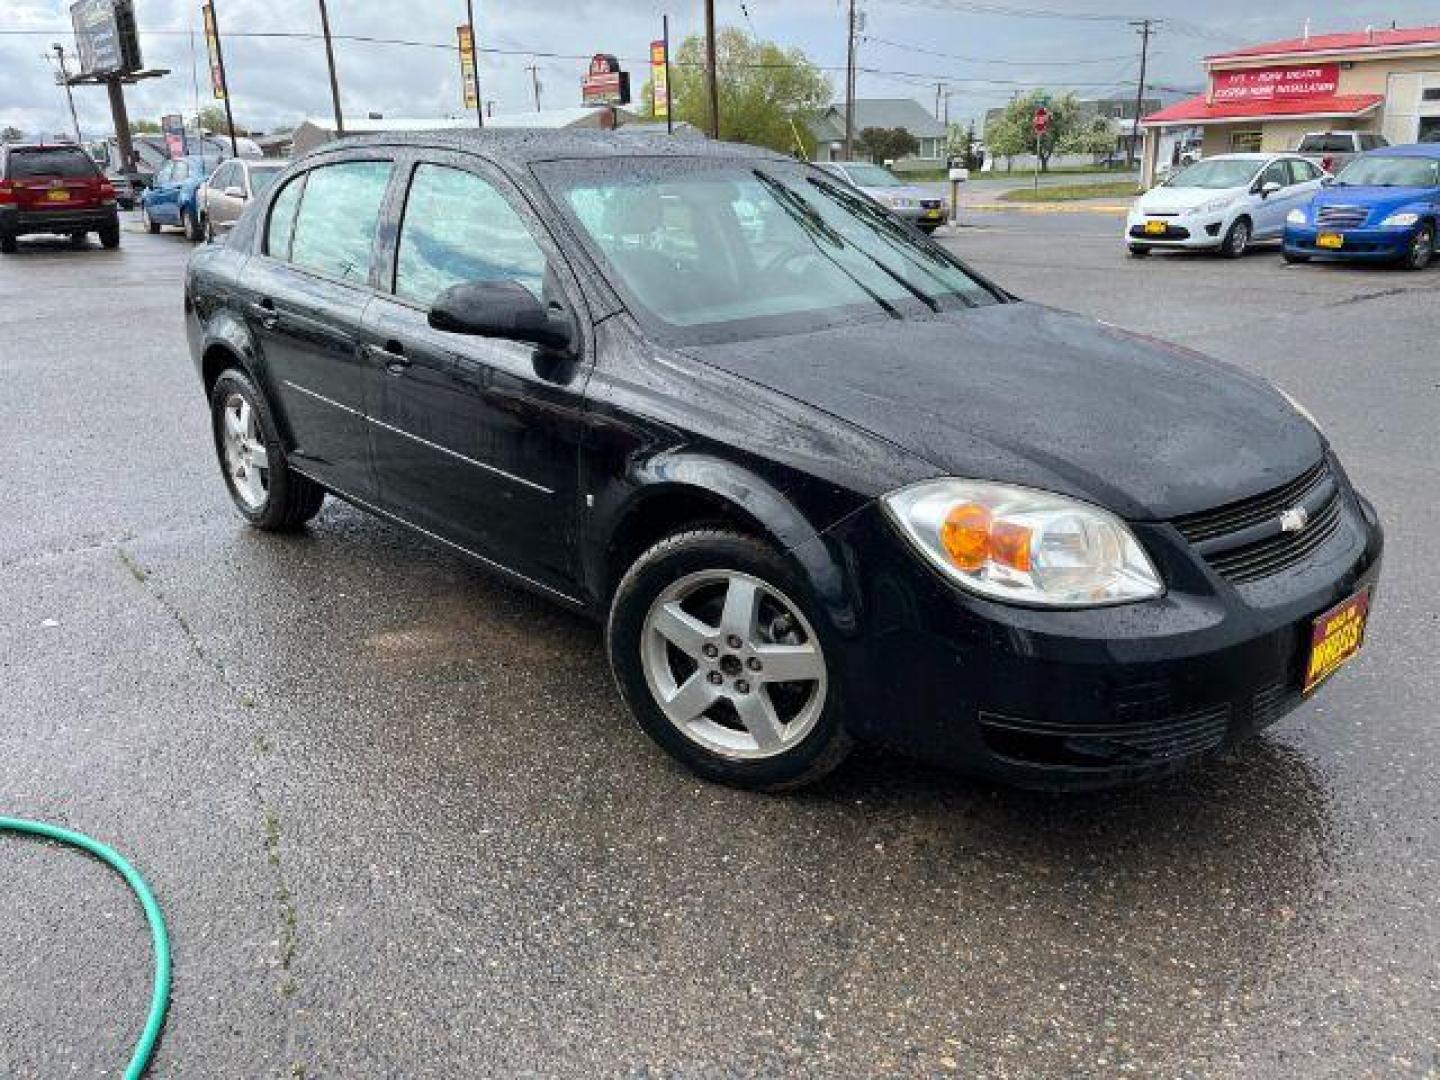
(1198, 110)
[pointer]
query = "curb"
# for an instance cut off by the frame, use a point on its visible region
(1046, 208)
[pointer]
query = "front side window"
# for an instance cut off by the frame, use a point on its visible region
(261, 179)
(717, 251)
(335, 226)
(1278, 172)
(458, 228)
(282, 219)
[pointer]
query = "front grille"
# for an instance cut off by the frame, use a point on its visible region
(1151, 740)
(1342, 217)
(1172, 232)
(1245, 541)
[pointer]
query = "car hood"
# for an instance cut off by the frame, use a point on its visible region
(1162, 200)
(1030, 395)
(904, 191)
(1382, 199)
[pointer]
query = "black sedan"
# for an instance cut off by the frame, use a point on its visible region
(823, 483)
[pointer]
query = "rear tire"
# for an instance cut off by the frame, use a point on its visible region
(252, 458)
(77, 239)
(209, 230)
(191, 226)
(1139, 251)
(151, 225)
(701, 679)
(110, 236)
(7, 244)
(1237, 239)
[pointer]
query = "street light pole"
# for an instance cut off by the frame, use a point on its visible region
(330, 60)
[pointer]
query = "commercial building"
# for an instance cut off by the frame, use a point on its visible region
(1268, 97)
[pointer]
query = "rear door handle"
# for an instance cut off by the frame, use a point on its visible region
(265, 312)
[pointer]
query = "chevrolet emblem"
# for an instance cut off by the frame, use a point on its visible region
(1294, 520)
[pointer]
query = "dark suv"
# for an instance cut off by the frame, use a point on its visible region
(55, 189)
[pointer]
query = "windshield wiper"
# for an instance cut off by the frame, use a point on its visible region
(813, 225)
(865, 208)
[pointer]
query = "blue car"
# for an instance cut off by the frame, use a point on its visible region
(1383, 207)
(171, 198)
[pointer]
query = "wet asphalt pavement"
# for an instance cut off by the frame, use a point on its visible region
(401, 826)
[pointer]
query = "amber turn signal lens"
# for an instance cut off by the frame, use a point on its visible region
(1010, 545)
(966, 536)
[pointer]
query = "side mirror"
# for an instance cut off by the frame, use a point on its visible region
(503, 309)
(1270, 189)
(234, 192)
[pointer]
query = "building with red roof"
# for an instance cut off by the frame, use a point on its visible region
(1383, 82)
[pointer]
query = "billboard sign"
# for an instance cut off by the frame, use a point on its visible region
(1275, 83)
(467, 65)
(659, 81)
(172, 126)
(212, 43)
(605, 83)
(105, 36)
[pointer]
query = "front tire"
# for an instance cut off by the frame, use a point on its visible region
(1422, 248)
(1295, 258)
(1139, 251)
(252, 459)
(191, 225)
(151, 225)
(726, 662)
(1237, 239)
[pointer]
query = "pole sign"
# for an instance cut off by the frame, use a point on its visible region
(467, 65)
(605, 83)
(105, 36)
(212, 44)
(1275, 83)
(659, 81)
(172, 125)
(1042, 120)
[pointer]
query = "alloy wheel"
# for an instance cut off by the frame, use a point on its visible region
(247, 462)
(1239, 238)
(733, 664)
(1422, 249)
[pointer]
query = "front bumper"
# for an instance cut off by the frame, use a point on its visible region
(1091, 698)
(15, 222)
(1197, 231)
(1365, 245)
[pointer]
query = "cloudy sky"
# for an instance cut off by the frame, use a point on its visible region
(980, 53)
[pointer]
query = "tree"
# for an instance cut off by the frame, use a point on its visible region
(212, 119)
(1097, 138)
(766, 92)
(886, 144)
(962, 144)
(144, 127)
(1013, 132)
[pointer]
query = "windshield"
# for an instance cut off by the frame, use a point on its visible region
(1215, 173)
(722, 251)
(1380, 170)
(261, 179)
(872, 176)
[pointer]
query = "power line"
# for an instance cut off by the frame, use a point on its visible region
(990, 60)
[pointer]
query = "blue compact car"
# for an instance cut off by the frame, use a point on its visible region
(172, 198)
(1383, 207)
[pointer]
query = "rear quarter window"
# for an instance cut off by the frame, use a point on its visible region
(66, 162)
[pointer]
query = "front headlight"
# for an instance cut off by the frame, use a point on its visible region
(1214, 206)
(1296, 217)
(1400, 221)
(1022, 545)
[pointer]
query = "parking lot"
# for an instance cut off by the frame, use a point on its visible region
(401, 824)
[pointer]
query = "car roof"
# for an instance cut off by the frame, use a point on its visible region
(1251, 156)
(526, 146)
(1416, 150)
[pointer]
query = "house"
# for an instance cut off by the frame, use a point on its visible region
(1383, 82)
(828, 129)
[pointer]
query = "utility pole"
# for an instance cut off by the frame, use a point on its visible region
(534, 70)
(64, 80)
(939, 92)
(850, 85)
(475, 48)
(330, 61)
(1143, 27)
(669, 99)
(712, 84)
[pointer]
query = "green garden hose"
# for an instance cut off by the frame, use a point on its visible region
(160, 993)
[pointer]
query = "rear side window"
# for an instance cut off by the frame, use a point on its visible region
(69, 162)
(223, 177)
(458, 228)
(282, 220)
(335, 228)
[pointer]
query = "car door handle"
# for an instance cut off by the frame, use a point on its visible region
(266, 314)
(392, 355)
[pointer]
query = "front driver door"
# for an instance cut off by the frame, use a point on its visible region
(476, 439)
(1270, 211)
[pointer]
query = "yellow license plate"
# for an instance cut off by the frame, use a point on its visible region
(58, 195)
(1335, 637)
(1330, 240)
(1155, 228)
(933, 215)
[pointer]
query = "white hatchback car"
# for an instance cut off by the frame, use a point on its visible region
(1223, 203)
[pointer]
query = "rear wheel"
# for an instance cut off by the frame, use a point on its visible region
(151, 224)
(209, 230)
(110, 235)
(264, 489)
(1140, 251)
(718, 650)
(191, 225)
(1422, 248)
(7, 243)
(1237, 240)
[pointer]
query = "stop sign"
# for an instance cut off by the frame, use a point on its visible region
(1042, 120)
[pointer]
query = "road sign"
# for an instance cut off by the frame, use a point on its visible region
(605, 83)
(1042, 120)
